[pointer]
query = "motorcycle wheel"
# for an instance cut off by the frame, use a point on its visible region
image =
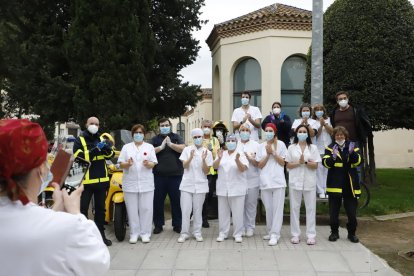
(120, 221)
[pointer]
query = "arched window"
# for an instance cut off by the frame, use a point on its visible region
(181, 130)
(292, 84)
(248, 77)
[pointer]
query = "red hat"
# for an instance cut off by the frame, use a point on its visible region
(271, 125)
(23, 146)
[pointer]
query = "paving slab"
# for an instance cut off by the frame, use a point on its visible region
(164, 256)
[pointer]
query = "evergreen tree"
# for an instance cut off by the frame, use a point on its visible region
(368, 50)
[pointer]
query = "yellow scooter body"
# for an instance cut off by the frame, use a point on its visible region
(115, 194)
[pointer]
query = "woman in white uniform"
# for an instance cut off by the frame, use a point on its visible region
(323, 139)
(137, 160)
(197, 161)
(35, 240)
(231, 189)
(250, 148)
(305, 111)
(302, 161)
(271, 158)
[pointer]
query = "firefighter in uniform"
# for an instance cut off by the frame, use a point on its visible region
(93, 148)
(342, 158)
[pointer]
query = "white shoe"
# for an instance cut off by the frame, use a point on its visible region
(295, 240)
(266, 237)
(220, 238)
(238, 239)
(182, 238)
(133, 239)
(273, 240)
(249, 233)
(322, 195)
(198, 238)
(145, 239)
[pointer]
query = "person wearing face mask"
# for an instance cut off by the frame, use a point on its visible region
(210, 208)
(35, 240)
(271, 157)
(281, 121)
(137, 160)
(302, 161)
(250, 148)
(323, 139)
(231, 189)
(167, 175)
(197, 161)
(247, 114)
(341, 158)
(220, 132)
(306, 120)
(91, 147)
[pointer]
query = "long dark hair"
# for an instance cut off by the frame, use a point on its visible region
(308, 139)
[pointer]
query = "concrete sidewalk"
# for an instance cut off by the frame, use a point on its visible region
(164, 256)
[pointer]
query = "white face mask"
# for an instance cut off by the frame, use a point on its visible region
(340, 142)
(343, 103)
(206, 130)
(276, 110)
(93, 129)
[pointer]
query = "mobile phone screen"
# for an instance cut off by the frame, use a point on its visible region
(77, 172)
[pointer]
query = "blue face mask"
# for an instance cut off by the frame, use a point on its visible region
(231, 145)
(165, 130)
(45, 182)
(245, 101)
(302, 136)
(244, 135)
(305, 114)
(198, 141)
(138, 137)
(269, 135)
(319, 113)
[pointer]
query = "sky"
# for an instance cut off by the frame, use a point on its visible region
(217, 11)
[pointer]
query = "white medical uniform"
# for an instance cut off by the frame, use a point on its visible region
(251, 148)
(312, 123)
(138, 187)
(193, 187)
(38, 241)
(272, 186)
(302, 181)
(322, 141)
(231, 190)
(238, 116)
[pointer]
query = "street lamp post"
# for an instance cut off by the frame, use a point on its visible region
(317, 53)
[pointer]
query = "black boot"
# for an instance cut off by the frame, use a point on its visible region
(353, 238)
(205, 223)
(104, 239)
(334, 236)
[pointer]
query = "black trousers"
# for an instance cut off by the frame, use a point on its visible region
(167, 185)
(350, 205)
(210, 206)
(98, 191)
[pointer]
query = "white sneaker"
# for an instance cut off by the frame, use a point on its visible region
(322, 195)
(238, 239)
(182, 238)
(266, 237)
(295, 240)
(249, 233)
(220, 238)
(198, 238)
(273, 240)
(133, 239)
(145, 239)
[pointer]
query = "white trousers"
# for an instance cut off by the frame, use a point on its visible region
(273, 200)
(191, 202)
(139, 208)
(321, 176)
(233, 205)
(295, 197)
(250, 208)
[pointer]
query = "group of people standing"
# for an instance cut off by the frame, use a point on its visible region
(316, 155)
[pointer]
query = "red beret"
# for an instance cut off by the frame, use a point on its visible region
(271, 125)
(23, 146)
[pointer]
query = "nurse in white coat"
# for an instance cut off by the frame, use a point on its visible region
(197, 161)
(305, 111)
(302, 161)
(231, 189)
(35, 240)
(250, 148)
(137, 160)
(271, 158)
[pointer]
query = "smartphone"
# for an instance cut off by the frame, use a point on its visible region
(61, 166)
(76, 174)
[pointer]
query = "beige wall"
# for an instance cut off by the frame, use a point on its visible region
(270, 48)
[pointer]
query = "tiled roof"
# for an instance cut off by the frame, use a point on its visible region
(276, 16)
